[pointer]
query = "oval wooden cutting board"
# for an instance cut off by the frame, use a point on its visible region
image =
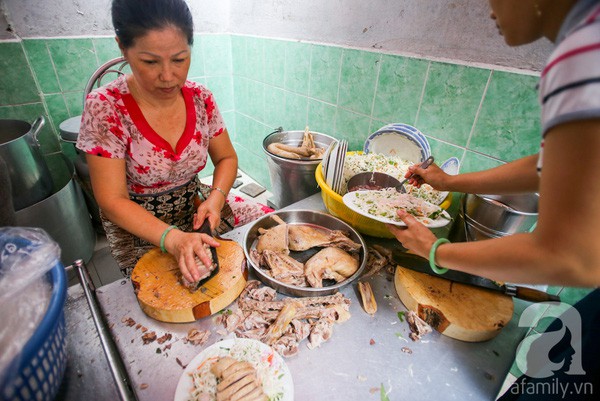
(163, 298)
(460, 311)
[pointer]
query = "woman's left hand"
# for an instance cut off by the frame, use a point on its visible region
(209, 209)
(415, 236)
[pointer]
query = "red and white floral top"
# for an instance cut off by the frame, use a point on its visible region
(113, 126)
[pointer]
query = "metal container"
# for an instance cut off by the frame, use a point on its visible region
(29, 175)
(494, 216)
(311, 218)
(292, 179)
(63, 215)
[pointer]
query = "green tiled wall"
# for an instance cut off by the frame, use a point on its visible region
(482, 116)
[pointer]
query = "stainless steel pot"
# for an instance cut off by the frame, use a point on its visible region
(30, 178)
(494, 216)
(292, 179)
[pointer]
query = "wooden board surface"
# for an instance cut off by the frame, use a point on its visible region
(163, 298)
(456, 310)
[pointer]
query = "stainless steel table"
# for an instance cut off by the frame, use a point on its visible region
(363, 353)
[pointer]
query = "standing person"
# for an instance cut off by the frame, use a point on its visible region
(564, 248)
(147, 135)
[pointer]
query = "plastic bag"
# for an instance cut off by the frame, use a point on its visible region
(26, 256)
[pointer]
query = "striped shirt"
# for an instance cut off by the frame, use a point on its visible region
(570, 83)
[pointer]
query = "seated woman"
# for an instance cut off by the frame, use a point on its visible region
(147, 135)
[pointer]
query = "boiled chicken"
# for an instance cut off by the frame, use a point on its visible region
(303, 236)
(282, 267)
(330, 263)
(274, 239)
(237, 381)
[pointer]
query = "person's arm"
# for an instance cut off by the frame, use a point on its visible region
(519, 176)
(564, 249)
(110, 190)
(224, 158)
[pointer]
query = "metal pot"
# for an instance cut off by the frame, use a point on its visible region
(29, 175)
(292, 179)
(494, 216)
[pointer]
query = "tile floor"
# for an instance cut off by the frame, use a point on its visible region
(103, 268)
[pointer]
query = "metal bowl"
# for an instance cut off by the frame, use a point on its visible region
(303, 217)
(371, 180)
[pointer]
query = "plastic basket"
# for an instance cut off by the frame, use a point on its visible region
(42, 363)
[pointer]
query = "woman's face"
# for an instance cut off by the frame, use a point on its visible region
(159, 61)
(519, 21)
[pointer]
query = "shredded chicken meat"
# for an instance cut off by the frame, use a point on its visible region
(284, 324)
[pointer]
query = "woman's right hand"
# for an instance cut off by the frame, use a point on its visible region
(185, 246)
(432, 175)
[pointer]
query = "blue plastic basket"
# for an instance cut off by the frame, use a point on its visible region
(41, 366)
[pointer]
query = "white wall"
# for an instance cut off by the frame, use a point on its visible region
(447, 29)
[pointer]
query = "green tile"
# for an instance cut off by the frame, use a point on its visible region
(353, 127)
(296, 109)
(229, 117)
(41, 63)
(250, 134)
(477, 162)
(325, 67)
(222, 88)
(321, 117)
(197, 63)
(508, 126)
(74, 102)
(442, 151)
(450, 102)
(520, 364)
(572, 295)
(57, 108)
(297, 67)
(274, 106)
(358, 79)
(254, 165)
(401, 81)
(255, 59)
(106, 49)
(216, 52)
(241, 90)
(208, 170)
(75, 62)
(274, 62)
(238, 55)
(16, 82)
(256, 93)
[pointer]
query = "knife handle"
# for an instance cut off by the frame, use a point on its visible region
(533, 295)
(205, 227)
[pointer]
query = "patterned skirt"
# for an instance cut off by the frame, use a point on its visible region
(174, 207)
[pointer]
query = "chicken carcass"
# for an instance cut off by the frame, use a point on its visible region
(283, 267)
(330, 263)
(303, 236)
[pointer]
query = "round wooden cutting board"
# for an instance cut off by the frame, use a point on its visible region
(460, 311)
(162, 297)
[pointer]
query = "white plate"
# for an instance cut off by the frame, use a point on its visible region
(391, 142)
(339, 167)
(350, 200)
(277, 368)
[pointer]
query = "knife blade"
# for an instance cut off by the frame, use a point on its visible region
(421, 265)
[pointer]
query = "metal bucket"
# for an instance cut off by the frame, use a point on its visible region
(29, 175)
(493, 216)
(292, 179)
(63, 214)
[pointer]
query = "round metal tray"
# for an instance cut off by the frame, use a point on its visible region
(303, 217)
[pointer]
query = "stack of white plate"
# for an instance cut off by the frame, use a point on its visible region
(333, 165)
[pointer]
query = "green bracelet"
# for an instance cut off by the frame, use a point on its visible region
(434, 247)
(162, 238)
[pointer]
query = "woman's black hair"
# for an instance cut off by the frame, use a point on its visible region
(134, 18)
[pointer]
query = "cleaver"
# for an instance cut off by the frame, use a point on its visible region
(205, 229)
(421, 265)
